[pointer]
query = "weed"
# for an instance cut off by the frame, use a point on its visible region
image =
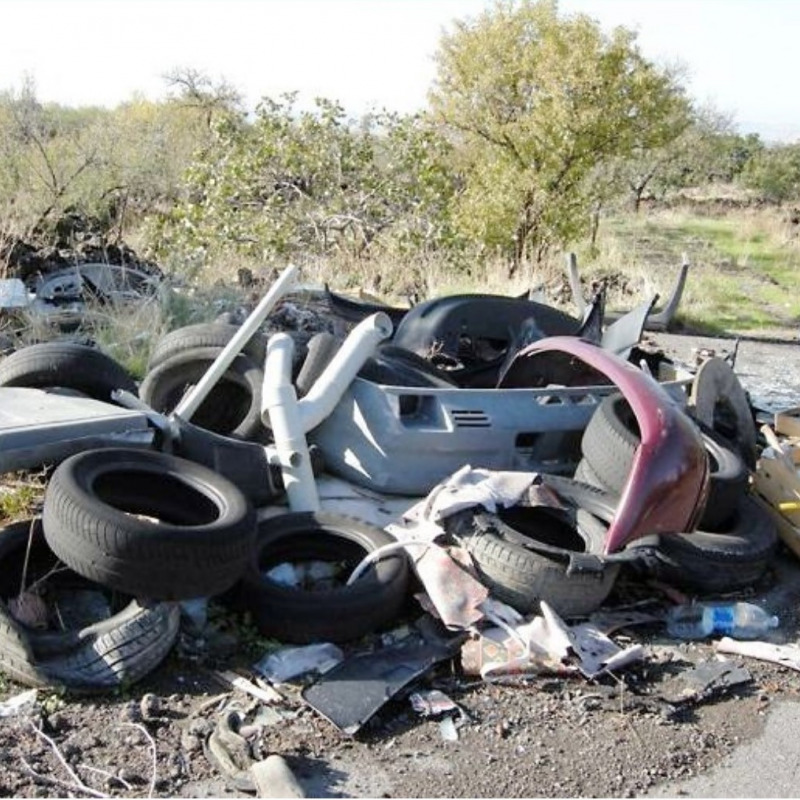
(21, 496)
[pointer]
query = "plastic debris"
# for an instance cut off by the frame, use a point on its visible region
(432, 703)
(544, 645)
(273, 778)
(248, 687)
(700, 620)
(787, 655)
(18, 704)
(449, 729)
(305, 573)
(290, 662)
(357, 688)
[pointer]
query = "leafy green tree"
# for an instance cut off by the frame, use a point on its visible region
(774, 173)
(308, 182)
(535, 101)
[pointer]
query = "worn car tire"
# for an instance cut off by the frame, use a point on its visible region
(66, 365)
(232, 406)
(610, 440)
(205, 334)
(148, 524)
(713, 562)
(609, 444)
(522, 577)
(108, 654)
(338, 613)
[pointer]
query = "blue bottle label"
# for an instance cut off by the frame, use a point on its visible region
(723, 619)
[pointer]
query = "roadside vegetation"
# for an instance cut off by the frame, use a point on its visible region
(544, 135)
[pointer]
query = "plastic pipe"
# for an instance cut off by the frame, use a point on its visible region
(343, 368)
(279, 408)
(189, 404)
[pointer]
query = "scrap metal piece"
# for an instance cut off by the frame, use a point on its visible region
(353, 691)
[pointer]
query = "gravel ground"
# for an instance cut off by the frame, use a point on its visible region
(623, 735)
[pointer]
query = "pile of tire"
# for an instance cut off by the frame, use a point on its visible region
(735, 538)
(145, 529)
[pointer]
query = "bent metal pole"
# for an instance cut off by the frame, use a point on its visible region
(189, 404)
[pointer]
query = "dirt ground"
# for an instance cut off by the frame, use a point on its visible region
(619, 735)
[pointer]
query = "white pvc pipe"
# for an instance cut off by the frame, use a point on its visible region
(279, 408)
(192, 401)
(343, 368)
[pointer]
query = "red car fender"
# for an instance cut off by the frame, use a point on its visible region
(668, 482)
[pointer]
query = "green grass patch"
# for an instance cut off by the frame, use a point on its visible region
(743, 277)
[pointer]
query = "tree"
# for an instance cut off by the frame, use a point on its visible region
(309, 182)
(535, 101)
(775, 173)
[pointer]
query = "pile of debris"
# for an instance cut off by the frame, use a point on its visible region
(506, 460)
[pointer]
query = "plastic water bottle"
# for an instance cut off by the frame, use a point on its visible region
(737, 620)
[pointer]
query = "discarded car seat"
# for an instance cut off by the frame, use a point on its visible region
(245, 464)
(102, 655)
(66, 365)
(527, 554)
(149, 524)
(232, 406)
(205, 334)
(324, 608)
(610, 441)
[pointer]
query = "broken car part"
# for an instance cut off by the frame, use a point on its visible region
(668, 482)
(609, 444)
(148, 524)
(66, 365)
(658, 321)
(375, 434)
(350, 693)
(39, 427)
(326, 611)
(356, 310)
(99, 655)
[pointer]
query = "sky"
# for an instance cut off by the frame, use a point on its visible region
(741, 56)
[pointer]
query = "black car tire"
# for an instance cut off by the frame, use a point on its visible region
(108, 654)
(713, 562)
(609, 444)
(205, 334)
(66, 365)
(339, 613)
(521, 576)
(232, 406)
(148, 524)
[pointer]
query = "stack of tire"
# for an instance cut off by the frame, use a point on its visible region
(145, 530)
(181, 357)
(735, 539)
